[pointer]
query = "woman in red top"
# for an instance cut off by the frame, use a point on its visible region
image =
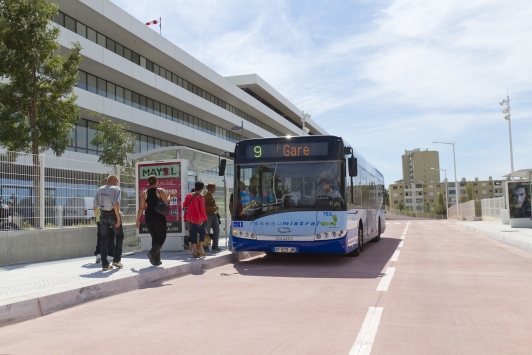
(195, 216)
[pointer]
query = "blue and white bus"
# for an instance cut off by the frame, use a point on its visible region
(309, 194)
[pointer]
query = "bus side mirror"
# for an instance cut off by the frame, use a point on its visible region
(221, 168)
(352, 166)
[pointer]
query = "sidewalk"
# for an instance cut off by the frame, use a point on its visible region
(29, 291)
(517, 237)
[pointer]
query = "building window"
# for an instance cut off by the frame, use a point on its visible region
(394, 187)
(114, 92)
(86, 32)
(395, 194)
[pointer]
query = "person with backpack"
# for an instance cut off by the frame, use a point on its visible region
(195, 215)
(155, 222)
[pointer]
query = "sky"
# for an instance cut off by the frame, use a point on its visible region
(387, 76)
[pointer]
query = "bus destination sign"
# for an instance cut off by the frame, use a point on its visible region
(287, 150)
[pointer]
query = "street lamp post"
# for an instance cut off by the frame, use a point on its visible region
(446, 191)
(304, 118)
(507, 117)
(241, 127)
(456, 186)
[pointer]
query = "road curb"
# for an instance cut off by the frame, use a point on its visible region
(41, 306)
(506, 239)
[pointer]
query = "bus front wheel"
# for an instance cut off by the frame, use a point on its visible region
(359, 248)
(378, 237)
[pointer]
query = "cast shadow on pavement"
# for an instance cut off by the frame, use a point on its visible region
(100, 274)
(370, 263)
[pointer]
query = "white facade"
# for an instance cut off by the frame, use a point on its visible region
(112, 27)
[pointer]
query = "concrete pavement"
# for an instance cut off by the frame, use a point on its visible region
(33, 290)
(517, 237)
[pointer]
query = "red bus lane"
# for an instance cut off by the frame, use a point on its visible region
(445, 290)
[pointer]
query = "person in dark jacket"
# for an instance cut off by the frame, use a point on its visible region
(155, 222)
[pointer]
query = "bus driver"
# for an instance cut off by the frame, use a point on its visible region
(329, 195)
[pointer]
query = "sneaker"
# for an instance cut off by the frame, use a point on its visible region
(98, 259)
(190, 252)
(118, 264)
(107, 268)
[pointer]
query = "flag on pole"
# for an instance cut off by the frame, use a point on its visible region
(155, 22)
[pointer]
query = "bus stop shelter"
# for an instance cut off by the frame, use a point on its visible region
(201, 166)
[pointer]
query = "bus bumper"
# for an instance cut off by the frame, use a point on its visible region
(336, 246)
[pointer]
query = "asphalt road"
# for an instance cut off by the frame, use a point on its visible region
(428, 287)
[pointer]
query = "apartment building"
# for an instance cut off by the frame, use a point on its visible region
(415, 196)
(417, 166)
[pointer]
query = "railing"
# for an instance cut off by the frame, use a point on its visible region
(39, 191)
(491, 207)
(415, 214)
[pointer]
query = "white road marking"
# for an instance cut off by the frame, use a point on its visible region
(366, 335)
(397, 223)
(386, 279)
(403, 236)
(401, 244)
(395, 255)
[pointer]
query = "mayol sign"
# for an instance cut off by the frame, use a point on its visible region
(161, 171)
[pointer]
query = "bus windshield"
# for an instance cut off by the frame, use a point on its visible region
(269, 188)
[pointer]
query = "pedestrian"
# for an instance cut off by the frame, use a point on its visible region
(196, 216)
(107, 199)
(212, 221)
(155, 222)
(110, 239)
(187, 225)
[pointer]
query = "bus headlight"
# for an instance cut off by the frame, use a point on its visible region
(253, 235)
(318, 236)
(326, 235)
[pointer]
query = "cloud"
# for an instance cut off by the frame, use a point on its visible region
(388, 75)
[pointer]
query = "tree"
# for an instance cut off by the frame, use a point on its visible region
(427, 207)
(37, 104)
(115, 142)
(439, 206)
(471, 195)
(401, 206)
(386, 197)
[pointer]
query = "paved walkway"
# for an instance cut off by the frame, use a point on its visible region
(517, 237)
(32, 290)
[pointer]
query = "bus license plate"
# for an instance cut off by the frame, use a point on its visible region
(285, 250)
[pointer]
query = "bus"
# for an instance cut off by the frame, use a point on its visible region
(306, 194)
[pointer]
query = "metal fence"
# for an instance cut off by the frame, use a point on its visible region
(39, 191)
(491, 207)
(415, 214)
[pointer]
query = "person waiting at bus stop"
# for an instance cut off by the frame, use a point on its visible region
(212, 220)
(110, 239)
(196, 216)
(155, 222)
(107, 199)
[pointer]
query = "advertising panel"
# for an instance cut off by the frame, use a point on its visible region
(519, 199)
(169, 175)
